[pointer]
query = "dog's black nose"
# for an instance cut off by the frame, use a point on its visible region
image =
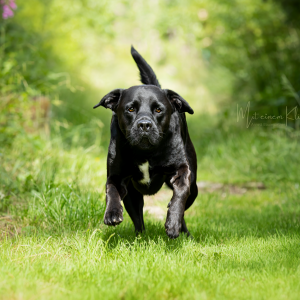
(144, 125)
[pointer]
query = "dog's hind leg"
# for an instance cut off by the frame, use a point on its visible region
(134, 203)
(184, 228)
(193, 195)
(190, 200)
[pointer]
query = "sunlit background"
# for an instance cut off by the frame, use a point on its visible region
(59, 58)
(213, 53)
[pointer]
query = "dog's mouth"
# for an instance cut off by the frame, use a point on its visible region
(143, 141)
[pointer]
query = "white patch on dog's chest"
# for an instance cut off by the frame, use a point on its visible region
(144, 168)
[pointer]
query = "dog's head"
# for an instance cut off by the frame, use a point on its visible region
(144, 112)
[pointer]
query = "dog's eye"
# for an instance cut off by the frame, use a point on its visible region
(158, 110)
(131, 109)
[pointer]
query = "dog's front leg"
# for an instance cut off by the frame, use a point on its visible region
(181, 190)
(115, 191)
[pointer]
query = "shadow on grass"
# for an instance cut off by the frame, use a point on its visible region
(154, 234)
(237, 223)
(211, 221)
(213, 225)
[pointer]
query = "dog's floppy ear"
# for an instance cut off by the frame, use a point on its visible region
(178, 102)
(111, 99)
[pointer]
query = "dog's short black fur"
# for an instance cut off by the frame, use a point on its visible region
(150, 145)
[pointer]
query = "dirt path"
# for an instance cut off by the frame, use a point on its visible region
(156, 205)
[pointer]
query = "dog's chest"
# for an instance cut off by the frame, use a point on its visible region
(144, 168)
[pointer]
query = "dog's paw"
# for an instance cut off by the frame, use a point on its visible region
(173, 225)
(113, 217)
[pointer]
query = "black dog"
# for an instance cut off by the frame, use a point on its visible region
(150, 145)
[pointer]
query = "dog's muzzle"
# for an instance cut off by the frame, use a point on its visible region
(144, 133)
(144, 125)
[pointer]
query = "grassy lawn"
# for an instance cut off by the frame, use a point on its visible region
(54, 244)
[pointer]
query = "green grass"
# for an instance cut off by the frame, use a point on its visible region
(54, 244)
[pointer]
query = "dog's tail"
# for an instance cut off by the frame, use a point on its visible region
(147, 74)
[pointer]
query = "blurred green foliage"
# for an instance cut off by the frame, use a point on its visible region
(255, 41)
(214, 53)
(221, 52)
